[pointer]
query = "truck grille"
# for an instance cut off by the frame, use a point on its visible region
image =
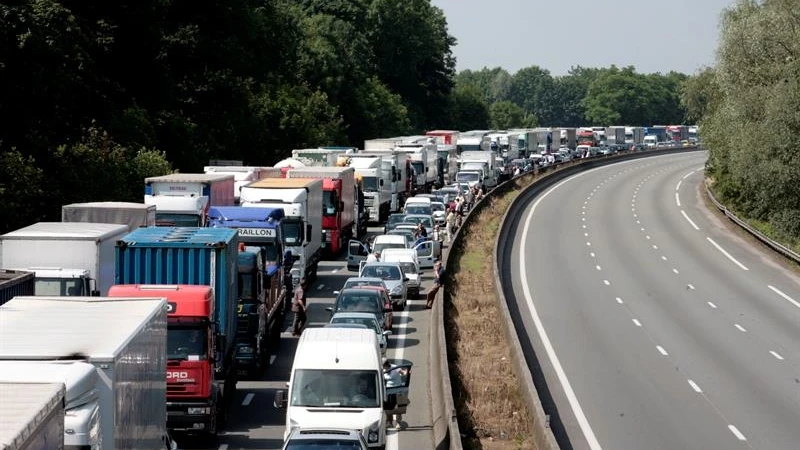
(176, 388)
(369, 201)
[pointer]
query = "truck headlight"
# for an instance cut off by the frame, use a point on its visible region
(199, 410)
(373, 432)
(246, 350)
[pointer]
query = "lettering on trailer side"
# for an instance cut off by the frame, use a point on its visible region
(179, 376)
(257, 232)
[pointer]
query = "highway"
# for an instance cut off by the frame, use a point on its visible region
(256, 424)
(656, 326)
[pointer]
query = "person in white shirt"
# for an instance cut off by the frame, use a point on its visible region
(374, 257)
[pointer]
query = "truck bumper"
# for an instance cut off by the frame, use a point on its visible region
(179, 419)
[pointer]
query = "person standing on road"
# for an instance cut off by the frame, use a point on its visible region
(438, 274)
(288, 283)
(450, 226)
(299, 307)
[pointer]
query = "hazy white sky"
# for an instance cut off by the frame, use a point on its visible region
(653, 36)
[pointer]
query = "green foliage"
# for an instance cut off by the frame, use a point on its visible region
(506, 114)
(21, 189)
(468, 109)
(750, 106)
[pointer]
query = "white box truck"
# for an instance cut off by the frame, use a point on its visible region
(397, 172)
(124, 343)
(480, 161)
(375, 179)
(301, 226)
(31, 416)
(68, 258)
(183, 199)
(134, 215)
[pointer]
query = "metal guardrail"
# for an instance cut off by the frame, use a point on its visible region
(780, 248)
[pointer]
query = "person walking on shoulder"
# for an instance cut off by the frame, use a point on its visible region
(300, 309)
(438, 274)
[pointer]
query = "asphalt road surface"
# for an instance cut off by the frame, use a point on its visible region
(657, 327)
(256, 424)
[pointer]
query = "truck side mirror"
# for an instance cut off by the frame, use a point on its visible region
(308, 232)
(280, 399)
(341, 205)
(381, 182)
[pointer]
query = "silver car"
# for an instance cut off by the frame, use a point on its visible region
(366, 320)
(306, 438)
(392, 275)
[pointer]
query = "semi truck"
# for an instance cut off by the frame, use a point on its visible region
(14, 283)
(375, 180)
(323, 156)
(243, 175)
(69, 259)
(444, 137)
(424, 162)
(634, 135)
(31, 416)
(396, 172)
(339, 205)
(301, 227)
(262, 301)
(109, 353)
(183, 199)
(587, 136)
(677, 133)
(615, 135)
(134, 215)
(481, 161)
(198, 257)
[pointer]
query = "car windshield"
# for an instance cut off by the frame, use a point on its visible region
(395, 219)
(426, 220)
(382, 246)
(437, 206)
(357, 283)
(335, 388)
(369, 322)
(365, 301)
(382, 272)
(408, 267)
(322, 444)
(418, 209)
(186, 342)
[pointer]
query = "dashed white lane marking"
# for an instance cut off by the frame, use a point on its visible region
(320, 287)
(675, 271)
(661, 350)
(598, 268)
(712, 305)
(334, 270)
(722, 250)
(247, 399)
(580, 416)
(695, 387)
(776, 355)
(223, 446)
(272, 359)
(642, 228)
(585, 234)
(785, 297)
(678, 186)
(607, 283)
(635, 216)
(637, 323)
(677, 199)
(740, 328)
(691, 222)
(647, 237)
(588, 244)
(591, 254)
(655, 247)
(583, 219)
(664, 258)
(737, 433)
(638, 222)
(690, 286)
(619, 300)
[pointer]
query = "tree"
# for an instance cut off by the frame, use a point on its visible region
(532, 89)
(699, 95)
(469, 110)
(506, 114)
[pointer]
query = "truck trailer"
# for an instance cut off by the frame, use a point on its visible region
(134, 215)
(69, 259)
(301, 227)
(183, 199)
(243, 175)
(124, 340)
(31, 416)
(14, 283)
(375, 180)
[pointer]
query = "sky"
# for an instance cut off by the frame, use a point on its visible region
(651, 35)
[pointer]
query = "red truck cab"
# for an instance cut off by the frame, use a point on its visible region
(192, 394)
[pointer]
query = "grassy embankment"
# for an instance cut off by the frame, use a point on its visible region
(491, 412)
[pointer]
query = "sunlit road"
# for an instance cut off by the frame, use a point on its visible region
(256, 424)
(657, 327)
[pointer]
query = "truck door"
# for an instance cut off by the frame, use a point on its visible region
(357, 252)
(397, 377)
(425, 254)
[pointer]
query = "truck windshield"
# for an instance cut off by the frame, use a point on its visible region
(177, 220)
(329, 203)
(59, 287)
(467, 176)
(186, 342)
(246, 286)
(292, 233)
(418, 167)
(370, 184)
(335, 388)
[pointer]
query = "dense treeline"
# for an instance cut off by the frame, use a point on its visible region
(96, 96)
(748, 105)
(585, 96)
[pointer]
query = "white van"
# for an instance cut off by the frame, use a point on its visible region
(418, 205)
(357, 251)
(337, 382)
(409, 262)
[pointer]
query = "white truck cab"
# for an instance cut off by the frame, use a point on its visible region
(337, 381)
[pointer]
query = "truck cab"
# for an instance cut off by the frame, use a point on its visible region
(183, 199)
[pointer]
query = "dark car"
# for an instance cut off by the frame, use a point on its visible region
(361, 300)
(393, 221)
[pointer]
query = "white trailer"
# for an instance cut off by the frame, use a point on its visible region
(615, 135)
(424, 161)
(124, 339)
(31, 416)
(134, 215)
(68, 258)
(396, 170)
(243, 175)
(484, 161)
(375, 179)
(634, 135)
(183, 199)
(301, 227)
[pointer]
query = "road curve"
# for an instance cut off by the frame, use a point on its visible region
(654, 325)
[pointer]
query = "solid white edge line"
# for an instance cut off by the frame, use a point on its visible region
(393, 436)
(722, 250)
(737, 433)
(786, 297)
(691, 222)
(580, 416)
(688, 175)
(619, 300)
(247, 399)
(776, 355)
(695, 387)
(677, 199)
(637, 323)
(712, 305)
(678, 186)
(661, 350)
(740, 328)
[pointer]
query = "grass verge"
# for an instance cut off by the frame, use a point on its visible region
(492, 414)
